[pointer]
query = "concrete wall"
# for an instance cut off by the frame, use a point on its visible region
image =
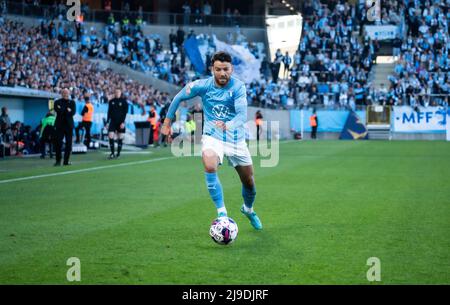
(15, 107)
(280, 116)
(395, 136)
(322, 135)
(418, 136)
(25, 109)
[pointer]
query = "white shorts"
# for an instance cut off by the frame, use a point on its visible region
(236, 153)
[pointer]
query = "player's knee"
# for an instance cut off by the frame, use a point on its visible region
(210, 161)
(210, 168)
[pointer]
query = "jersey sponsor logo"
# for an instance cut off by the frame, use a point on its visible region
(220, 111)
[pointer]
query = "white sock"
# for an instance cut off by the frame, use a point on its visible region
(222, 210)
(248, 210)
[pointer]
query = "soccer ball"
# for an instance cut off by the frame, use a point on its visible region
(223, 230)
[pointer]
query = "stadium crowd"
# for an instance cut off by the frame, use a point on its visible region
(331, 66)
(422, 72)
(40, 58)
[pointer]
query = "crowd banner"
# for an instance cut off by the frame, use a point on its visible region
(419, 120)
(193, 53)
(245, 65)
(382, 32)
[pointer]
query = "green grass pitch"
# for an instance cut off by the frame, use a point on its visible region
(326, 208)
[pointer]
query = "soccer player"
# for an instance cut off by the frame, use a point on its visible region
(225, 109)
(117, 112)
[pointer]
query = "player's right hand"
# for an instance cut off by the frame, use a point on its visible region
(165, 129)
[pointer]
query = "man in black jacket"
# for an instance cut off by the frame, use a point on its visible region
(65, 110)
(117, 112)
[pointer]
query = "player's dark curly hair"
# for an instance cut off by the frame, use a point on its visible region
(221, 56)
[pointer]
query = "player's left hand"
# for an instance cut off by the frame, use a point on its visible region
(122, 126)
(221, 125)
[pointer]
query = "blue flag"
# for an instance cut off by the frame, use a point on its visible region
(193, 53)
(354, 129)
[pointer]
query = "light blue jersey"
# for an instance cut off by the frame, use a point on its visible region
(227, 104)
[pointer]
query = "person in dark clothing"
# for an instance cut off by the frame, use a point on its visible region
(258, 122)
(172, 40)
(117, 112)
(86, 122)
(208, 63)
(287, 63)
(152, 120)
(162, 115)
(4, 118)
(314, 123)
(65, 110)
(275, 69)
(180, 37)
(47, 134)
(197, 114)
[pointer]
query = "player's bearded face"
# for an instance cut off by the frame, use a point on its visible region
(222, 72)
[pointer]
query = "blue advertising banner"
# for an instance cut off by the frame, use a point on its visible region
(329, 120)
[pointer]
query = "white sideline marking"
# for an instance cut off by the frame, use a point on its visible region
(130, 152)
(101, 167)
(84, 170)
